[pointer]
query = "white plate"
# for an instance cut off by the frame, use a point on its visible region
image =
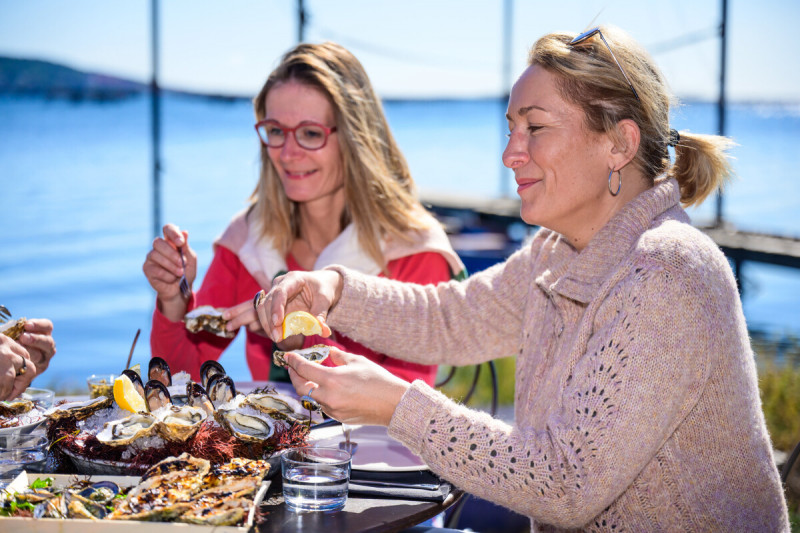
(376, 451)
(23, 429)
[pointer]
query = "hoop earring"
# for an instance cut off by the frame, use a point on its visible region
(619, 183)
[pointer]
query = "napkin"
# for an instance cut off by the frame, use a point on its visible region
(409, 485)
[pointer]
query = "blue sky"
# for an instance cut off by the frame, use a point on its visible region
(410, 48)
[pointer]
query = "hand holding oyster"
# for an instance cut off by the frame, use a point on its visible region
(207, 318)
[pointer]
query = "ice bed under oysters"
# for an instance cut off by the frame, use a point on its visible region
(209, 420)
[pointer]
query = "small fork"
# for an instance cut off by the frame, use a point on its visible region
(5, 314)
(184, 285)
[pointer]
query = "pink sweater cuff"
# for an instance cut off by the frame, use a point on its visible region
(410, 419)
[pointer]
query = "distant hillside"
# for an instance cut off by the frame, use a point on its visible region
(34, 77)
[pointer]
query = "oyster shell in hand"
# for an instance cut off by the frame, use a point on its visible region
(207, 318)
(13, 328)
(315, 354)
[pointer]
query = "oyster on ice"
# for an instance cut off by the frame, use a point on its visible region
(209, 319)
(245, 426)
(15, 407)
(178, 424)
(126, 430)
(78, 410)
(315, 354)
(277, 406)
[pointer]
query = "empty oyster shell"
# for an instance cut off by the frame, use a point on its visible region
(209, 319)
(13, 328)
(315, 354)
(124, 431)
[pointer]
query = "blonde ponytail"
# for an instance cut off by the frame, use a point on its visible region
(702, 165)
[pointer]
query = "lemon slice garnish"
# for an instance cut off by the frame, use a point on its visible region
(301, 323)
(126, 395)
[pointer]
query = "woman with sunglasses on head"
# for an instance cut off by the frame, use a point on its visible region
(334, 189)
(636, 399)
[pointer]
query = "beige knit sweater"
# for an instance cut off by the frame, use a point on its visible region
(636, 402)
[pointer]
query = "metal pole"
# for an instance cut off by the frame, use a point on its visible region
(508, 17)
(155, 113)
(301, 22)
(721, 101)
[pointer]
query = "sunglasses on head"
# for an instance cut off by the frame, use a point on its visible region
(596, 31)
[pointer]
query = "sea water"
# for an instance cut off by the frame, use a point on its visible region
(76, 204)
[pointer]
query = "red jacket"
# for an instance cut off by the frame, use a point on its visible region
(227, 283)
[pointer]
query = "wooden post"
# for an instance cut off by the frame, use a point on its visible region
(155, 115)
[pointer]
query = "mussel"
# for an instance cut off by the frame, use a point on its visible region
(135, 379)
(158, 369)
(209, 369)
(102, 492)
(220, 389)
(198, 397)
(156, 395)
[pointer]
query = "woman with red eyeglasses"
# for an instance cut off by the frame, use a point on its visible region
(334, 189)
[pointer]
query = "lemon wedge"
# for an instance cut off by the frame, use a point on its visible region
(301, 323)
(137, 368)
(126, 395)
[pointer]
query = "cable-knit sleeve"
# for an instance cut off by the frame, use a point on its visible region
(624, 391)
(455, 322)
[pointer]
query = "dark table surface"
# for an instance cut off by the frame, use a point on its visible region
(359, 514)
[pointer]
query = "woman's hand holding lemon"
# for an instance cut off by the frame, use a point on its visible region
(315, 293)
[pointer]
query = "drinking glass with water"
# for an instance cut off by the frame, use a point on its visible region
(21, 452)
(315, 479)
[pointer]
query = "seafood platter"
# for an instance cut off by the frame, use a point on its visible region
(211, 446)
(181, 489)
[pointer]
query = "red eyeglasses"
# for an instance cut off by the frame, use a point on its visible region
(309, 135)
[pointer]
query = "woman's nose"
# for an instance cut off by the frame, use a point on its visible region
(290, 149)
(516, 153)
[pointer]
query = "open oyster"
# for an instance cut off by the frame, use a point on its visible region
(179, 423)
(77, 410)
(15, 407)
(277, 406)
(124, 431)
(315, 354)
(246, 426)
(209, 319)
(13, 328)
